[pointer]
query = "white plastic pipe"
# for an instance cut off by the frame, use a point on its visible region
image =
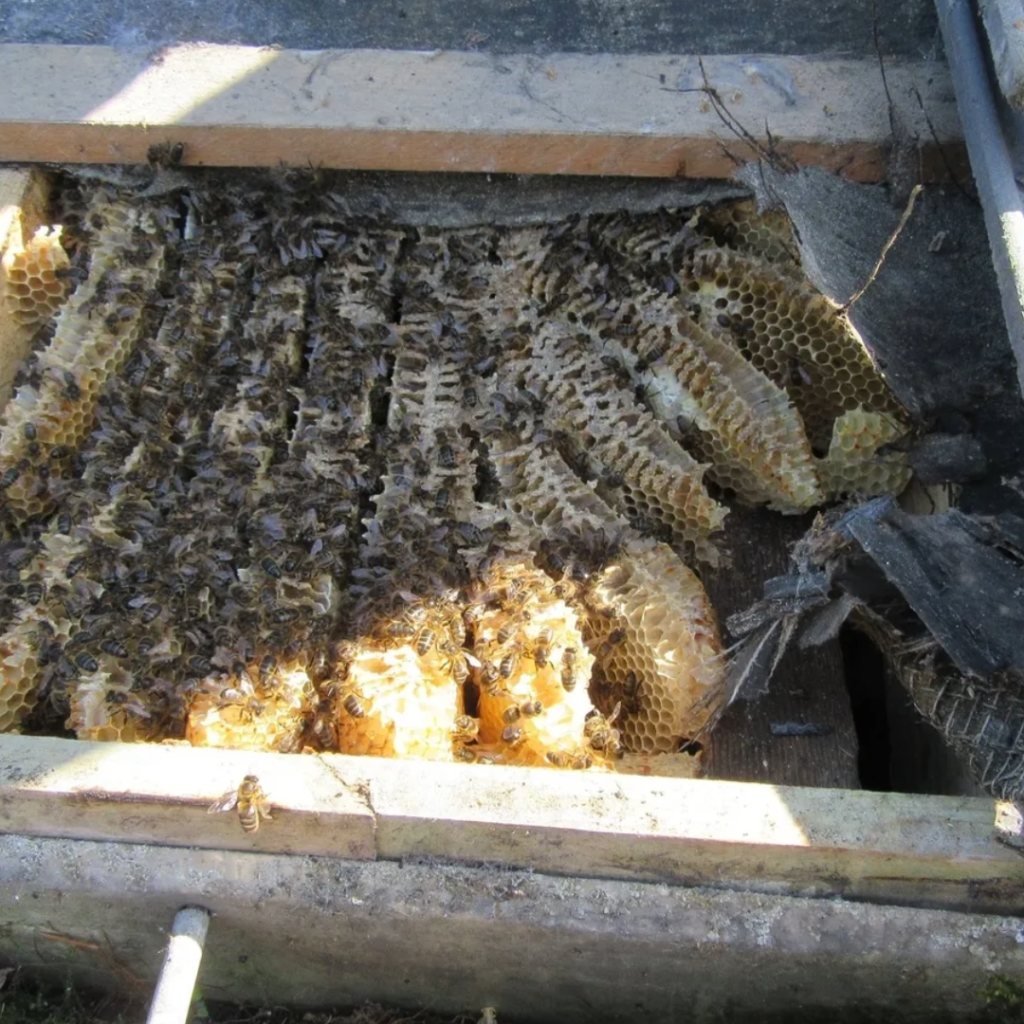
(173, 996)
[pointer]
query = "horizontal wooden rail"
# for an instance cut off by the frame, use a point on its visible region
(918, 850)
(463, 111)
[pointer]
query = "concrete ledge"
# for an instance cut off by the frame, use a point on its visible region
(311, 931)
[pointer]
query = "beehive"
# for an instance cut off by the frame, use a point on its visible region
(358, 487)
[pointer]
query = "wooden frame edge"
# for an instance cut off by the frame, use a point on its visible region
(918, 850)
(601, 114)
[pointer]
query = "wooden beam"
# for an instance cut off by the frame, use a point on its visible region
(456, 111)
(162, 795)
(915, 850)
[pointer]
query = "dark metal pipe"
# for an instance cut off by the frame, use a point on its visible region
(991, 161)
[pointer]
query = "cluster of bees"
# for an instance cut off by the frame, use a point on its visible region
(278, 477)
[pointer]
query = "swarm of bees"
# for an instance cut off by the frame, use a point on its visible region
(278, 477)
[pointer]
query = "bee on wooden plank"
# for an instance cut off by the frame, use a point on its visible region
(250, 801)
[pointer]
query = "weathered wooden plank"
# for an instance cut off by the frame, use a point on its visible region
(23, 198)
(880, 846)
(450, 110)
(808, 687)
(162, 795)
(916, 850)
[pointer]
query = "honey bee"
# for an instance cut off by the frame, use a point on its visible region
(799, 374)
(569, 661)
(270, 567)
(490, 679)
(150, 612)
(115, 648)
(35, 590)
(268, 666)
(425, 640)
(651, 356)
(400, 630)
(510, 662)
(512, 714)
(86, 662)
(580, 760)
(465, 729)
(460, 670)
(72, 392)
(508, 629)
(251, 802)
(463, 753)
(600, 732)
(558, 758)
(513, 735)
(353, 706)
(9, 478)
(613, 640)
(541, 651)
(531, 708)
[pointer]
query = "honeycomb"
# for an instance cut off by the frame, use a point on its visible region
(533, 673)
(234, 716)
(766, 234)
(792, 334)
(731, 415)
(636, 464)
(854, 466)
(36, 284)
(366, 488)
(55, 411)
(397, 703)
(654, 636)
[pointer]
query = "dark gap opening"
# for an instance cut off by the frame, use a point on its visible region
(183, 211)
(471, 698)
(409, 241)
(380, 394)
(291, 413)
(864, 673)
(485, 486)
